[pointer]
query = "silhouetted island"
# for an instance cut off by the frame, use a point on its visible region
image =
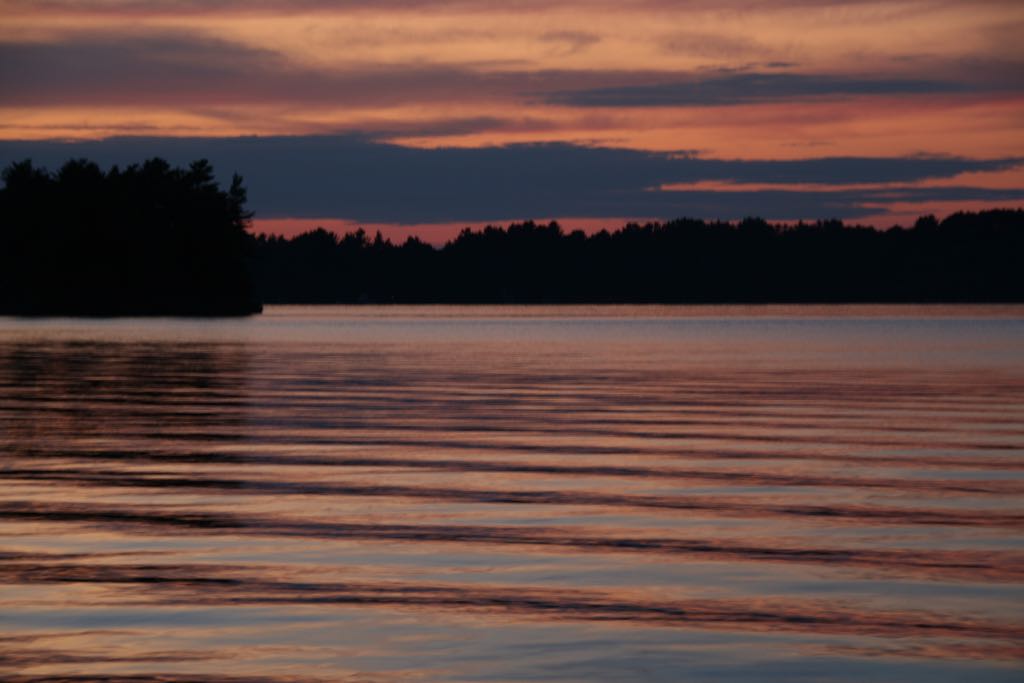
(154, 240)
(968, 257)
(144, 240)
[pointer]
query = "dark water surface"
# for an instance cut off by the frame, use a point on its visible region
(508, 494)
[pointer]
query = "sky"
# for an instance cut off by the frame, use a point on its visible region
(420, 117)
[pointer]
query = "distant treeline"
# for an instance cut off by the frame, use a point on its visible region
(144, 240)
(150, 239)
(966, 257)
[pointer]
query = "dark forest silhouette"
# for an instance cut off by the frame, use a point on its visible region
(144, 240)
(154, 240)
(967, 257)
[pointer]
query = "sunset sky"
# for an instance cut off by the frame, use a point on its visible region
(423, 116)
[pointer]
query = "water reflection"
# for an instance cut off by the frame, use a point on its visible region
(445, 492)
(77, 388)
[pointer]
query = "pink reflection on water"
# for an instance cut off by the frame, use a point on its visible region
(850, 481)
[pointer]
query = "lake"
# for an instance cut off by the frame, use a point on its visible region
(445, 493)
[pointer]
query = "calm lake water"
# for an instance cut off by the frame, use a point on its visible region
(509, 494)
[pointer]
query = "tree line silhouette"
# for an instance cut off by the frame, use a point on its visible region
(150, 239)
(966, 257)
(144, 240)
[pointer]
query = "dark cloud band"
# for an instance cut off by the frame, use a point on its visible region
(747, 88)
(360, 179)
(184, 71)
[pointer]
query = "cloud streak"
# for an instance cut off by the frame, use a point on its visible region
(171, 68)
(747, 88)
(177, 70)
